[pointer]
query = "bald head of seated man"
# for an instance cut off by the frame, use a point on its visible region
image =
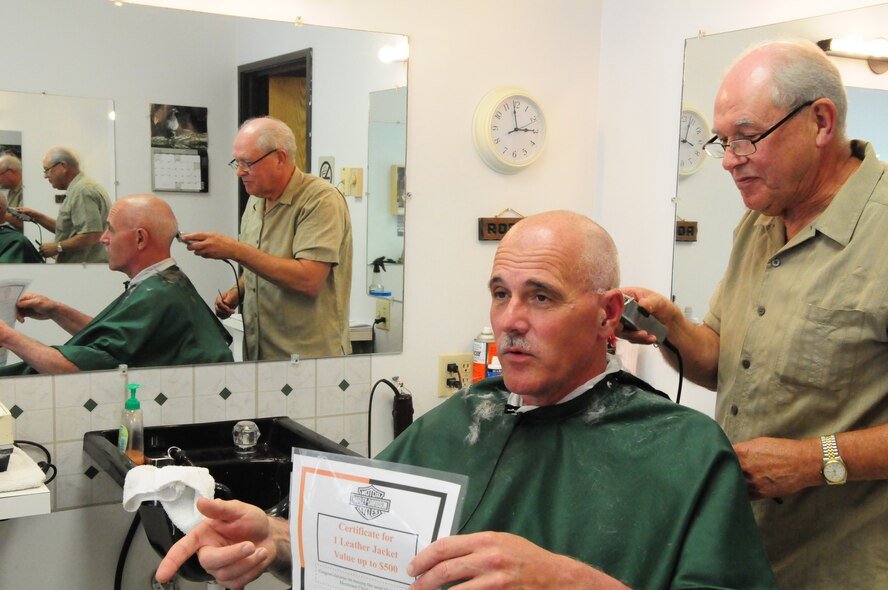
(159, 319)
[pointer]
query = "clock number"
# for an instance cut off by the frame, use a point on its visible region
(496, 140)
(498, 115)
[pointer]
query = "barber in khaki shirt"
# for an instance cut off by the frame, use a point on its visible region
(295, 247)
(796, 338)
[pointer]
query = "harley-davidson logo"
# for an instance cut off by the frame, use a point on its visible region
(370, 502)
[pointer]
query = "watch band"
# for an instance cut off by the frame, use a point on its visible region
(830, 448)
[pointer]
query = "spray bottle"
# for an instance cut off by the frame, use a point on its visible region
(483, 351)
(376, 286)
(131, 438)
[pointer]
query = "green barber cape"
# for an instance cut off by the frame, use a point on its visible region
(160, 321)
(16, 248)
(620, 478)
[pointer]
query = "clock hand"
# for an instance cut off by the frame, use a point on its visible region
(687, 128)
(514, 115)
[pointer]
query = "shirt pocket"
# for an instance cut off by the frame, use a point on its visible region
(821, 348)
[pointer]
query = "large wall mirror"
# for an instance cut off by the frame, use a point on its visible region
(709, 196)
(122, 59)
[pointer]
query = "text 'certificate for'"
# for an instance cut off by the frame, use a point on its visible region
(357, 523)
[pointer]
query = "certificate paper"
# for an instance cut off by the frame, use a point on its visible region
(356, 523)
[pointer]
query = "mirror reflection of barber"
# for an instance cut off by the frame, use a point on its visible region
(82, 216)
(295, 247)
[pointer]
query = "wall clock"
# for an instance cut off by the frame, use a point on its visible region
(509, 130)
(692, 134)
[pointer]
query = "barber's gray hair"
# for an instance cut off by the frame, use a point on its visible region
(800, 72)
(274, 134)
(64, 155)
(10, 162)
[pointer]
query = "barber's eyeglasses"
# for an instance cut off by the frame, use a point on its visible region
(745, 146)
(46, 170)
(246, 166)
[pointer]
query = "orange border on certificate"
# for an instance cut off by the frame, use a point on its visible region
(322, 472)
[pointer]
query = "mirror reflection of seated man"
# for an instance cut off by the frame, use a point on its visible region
(14, 246)
(11, 180)
(82, 216)
(580, 474)
(159, 320)
(295, 247)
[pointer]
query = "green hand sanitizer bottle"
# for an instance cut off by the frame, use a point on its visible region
(131, 438)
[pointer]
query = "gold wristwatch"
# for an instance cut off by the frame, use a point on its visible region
(834, 471)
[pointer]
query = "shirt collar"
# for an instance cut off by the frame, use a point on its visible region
(613, 366)
(150, 271)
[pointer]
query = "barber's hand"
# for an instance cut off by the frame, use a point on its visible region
(31, 305)
(234, 544)
(49, 249)
(226, 304)
(212, 245)
(500, 560)
(776, 467)
(660, 307)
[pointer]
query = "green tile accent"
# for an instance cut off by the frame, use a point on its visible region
(286, 389)
(16, 411)
(90, 405)
(225, 393)
(343, 385)
(161, 399)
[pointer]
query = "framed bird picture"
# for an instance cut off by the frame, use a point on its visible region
(179, 140)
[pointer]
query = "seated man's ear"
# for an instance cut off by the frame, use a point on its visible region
(611, 311)
(141, 238)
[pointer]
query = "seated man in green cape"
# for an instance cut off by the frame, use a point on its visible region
(14, 246)
(580, 475)
(159, 320)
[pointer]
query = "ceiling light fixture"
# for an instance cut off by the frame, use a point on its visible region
(874, 51)
(392, 53)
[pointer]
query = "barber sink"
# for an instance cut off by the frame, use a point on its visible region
(256, 471)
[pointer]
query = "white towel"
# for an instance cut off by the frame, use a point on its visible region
(176, 487)
(21, 474)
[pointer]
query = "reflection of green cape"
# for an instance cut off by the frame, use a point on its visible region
(16, 248)
(161, 321)
(645, 490)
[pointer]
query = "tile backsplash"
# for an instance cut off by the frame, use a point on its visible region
(329, 396)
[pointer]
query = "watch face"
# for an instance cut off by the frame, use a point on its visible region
(517, 130)
(834, 471)
(693, 134)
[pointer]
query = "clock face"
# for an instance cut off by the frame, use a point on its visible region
(693, 133)
(834, 471)
(509, 130)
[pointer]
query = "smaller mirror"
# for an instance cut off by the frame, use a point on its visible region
(386, 201)
(42, 121)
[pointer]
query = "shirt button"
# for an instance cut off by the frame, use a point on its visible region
(734, 410)
(775, 263)
(745, 363)
(761, 310)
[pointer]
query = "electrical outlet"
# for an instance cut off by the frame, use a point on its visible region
(384, 312)
(454, 373)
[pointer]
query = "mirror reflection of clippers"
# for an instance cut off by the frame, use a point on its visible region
(184, 241)
(19, 215)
